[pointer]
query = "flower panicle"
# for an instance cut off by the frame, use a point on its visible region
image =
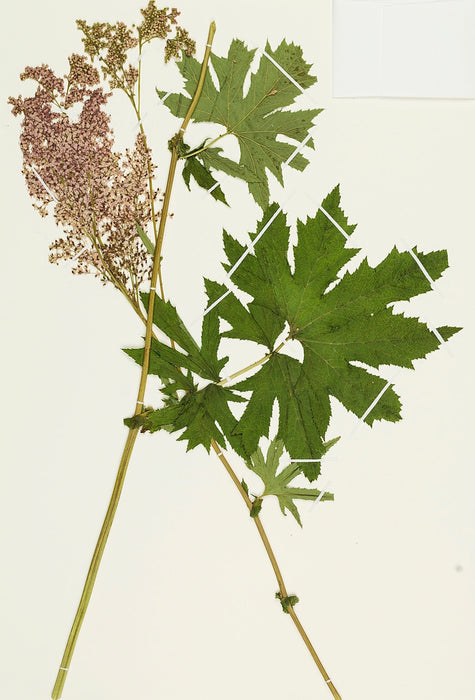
(180, 42)
(98, 193)
(156, 24)
(110, 43)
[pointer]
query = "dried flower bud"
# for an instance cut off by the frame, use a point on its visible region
(45, 77)
(81, 72)
(110, 43)
(181, 42)
(131, 76)
(120, 40)
(95, 37)
(156, 23)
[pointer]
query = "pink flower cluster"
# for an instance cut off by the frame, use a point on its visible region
(99, 194)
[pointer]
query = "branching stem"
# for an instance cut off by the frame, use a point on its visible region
(163, 218)
(132, 435)
(280, 580)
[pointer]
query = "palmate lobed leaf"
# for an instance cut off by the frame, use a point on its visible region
(203, 361)
(278, 484)
(345, 324)
(303, 411)
(258, 119)
(203, 415)
(165, 363)
(337, 326)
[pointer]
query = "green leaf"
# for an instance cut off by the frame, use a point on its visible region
(204, 415)
(256, 508)
(345, 323)
(304, 411)
(200, 161)
(210, 337)
(278, 484)
(211, 156)
(204, 362)
(164, 362)
(287, 601)
(258, 119)
(203, 177)
(149, 421)
(145, 239)
(168, 363)
(260, 328)
(330, 443)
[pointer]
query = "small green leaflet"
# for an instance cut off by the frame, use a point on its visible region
(145, 239)
(287, 602)
(204, 414)
(258, 120)
(278, 484)
(256, 507)
(341, 324)
(196, 167)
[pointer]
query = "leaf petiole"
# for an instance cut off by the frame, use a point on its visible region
(253, 365)
(283, 594)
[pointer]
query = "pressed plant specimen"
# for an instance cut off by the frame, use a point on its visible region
(114, 219)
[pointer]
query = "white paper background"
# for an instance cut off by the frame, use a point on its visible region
(184, 601)
(404, 48)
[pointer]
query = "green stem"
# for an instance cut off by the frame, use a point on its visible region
(139, 80)
(278, 574)
(132, 435)
(163, 217)
(254, 364)
(204, 148)
(94, 565)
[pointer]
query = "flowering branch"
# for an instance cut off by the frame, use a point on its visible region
(98, 194)
(133, 432)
